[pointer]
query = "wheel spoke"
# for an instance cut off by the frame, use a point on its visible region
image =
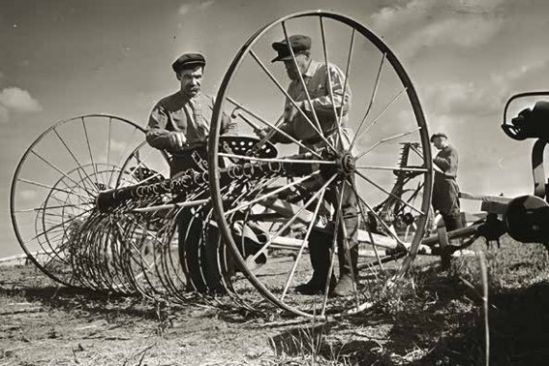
(387, 139)
(374, 121)
(389, 193)
(290, 99)
(346, 247)
(51, 207)
(51, 214)
(347, 70)
(172, 206)
(372, 99)
(254, 126)
(293, 218)
(303, 244)
(56, 226)
(277, 160)
(273, 127)
(394, 169)
(51, 165)
(89, 146)
(332, 255)
(276, 191)
(304, 86)
(364, 218)
(80, 167)
(140, 162)
(330, 85)
(45, 186)
(109, 141)
(123, 153)
(387, 228)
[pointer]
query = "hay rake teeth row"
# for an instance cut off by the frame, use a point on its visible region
(232, 221)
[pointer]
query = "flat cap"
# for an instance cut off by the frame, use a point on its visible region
(438, 134)
(188, 61)
(298, 43)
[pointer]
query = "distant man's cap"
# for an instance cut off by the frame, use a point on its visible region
(188, 61)
(438, 134)
(298, 43)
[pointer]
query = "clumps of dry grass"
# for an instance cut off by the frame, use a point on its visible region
(511, 266)
(307, 344)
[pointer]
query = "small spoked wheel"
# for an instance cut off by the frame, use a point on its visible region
(53, 194)
(324, 210)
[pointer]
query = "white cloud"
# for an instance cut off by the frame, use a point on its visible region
(509, 78)
(419, 24)
(184, 9)
(187, 7)
(206, 4)
(450, 104)
(463, 99)
(16, 100)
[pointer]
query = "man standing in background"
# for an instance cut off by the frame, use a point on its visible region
(445, 188)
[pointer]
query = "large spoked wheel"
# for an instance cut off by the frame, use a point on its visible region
(53, 195)
(337, 164)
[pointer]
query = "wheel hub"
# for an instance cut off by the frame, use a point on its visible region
(347, 163)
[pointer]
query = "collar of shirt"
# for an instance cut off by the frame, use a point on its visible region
(187, 97)
(312, 69)
(446, 148)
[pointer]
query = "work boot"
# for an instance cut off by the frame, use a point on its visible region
(344, 286)
(315, 286)
(347, 271)
(348, 261)
(319, 252)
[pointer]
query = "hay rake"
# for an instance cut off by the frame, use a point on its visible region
(94, 206)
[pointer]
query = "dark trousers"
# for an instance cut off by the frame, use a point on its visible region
(452, 221)
(446, 201)
(321, 241)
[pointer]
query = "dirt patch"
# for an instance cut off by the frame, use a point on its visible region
(433, 318)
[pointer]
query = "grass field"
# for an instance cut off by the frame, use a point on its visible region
(432, 318)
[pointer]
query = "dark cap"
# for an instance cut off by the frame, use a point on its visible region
(188, 61)
(298, 42)
(438, 134)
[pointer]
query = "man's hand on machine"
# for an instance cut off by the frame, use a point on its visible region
(262, 132)
(178, 139)
(293, 195)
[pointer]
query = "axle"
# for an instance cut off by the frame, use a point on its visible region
(191, 180)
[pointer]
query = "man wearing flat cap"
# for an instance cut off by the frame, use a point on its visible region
(317, 78)
(181, 120)
(179, 124)
(445, 188)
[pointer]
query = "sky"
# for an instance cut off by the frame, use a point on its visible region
(62, 58)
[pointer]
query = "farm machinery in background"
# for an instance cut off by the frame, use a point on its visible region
(94, 206)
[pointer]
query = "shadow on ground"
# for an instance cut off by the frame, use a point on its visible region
(442, 324)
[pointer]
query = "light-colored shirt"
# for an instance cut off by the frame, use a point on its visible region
(178, 112)
(318, 85)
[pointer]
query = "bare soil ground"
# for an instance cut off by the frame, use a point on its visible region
(432, 318)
